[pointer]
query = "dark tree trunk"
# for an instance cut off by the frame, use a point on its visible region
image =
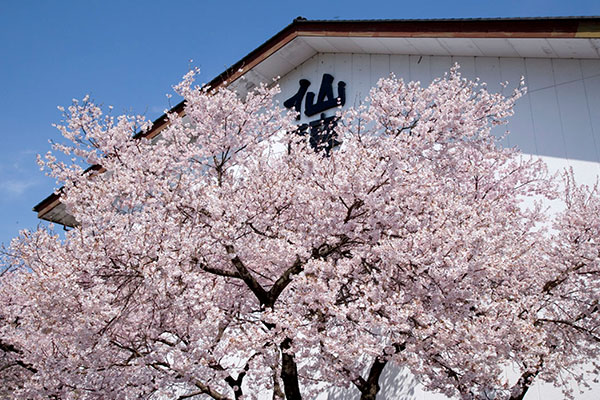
(519, 390)
(289, 372)
(370, 387)
(236, 384)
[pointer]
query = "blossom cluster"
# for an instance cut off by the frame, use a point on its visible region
(227, 258)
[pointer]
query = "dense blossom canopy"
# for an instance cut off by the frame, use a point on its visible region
(229, 259)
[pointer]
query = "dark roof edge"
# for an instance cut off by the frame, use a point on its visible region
(56, 195)
(47, 201)
(488, 27)
(570, 17)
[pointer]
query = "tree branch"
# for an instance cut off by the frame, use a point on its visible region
(236, 384)
(283, 281)
(370, 387)
(519, 390)
(586, 331)
(190, 395)
(454, 375)
(551, 284)
(216, 271)
(260, 293)
(205, 389)
(9, 348)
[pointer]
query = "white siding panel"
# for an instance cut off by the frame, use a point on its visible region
(558, 117)
(511, 72)
(325, 65)
(522, 132)
(309, 70)
(565, 70)
(400, 66)
(574, 115)
(590, 68)
(488, 69)
(546, 391)
(547, 123)
(380, 67)
(539, 73)
(439, 65)
(592, 95)
(467, 67)
(361, 76)
(343, 70)
(420, 69)
(290, 83)
(596, 45)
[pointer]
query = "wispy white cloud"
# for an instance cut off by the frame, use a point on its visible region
(16, 188)
(16, 163)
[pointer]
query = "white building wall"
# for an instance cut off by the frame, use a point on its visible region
(558, 119)
(559, 116)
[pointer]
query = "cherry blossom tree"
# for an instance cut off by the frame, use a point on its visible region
(229, 260)
(13, 371)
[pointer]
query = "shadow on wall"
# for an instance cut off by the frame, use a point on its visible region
(396, 384)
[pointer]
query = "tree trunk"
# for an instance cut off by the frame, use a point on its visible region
(370, 387)
(289, 372)
(519, 390)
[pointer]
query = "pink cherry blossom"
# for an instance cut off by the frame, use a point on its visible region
(229, 259)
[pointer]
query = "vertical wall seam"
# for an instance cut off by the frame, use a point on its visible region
(560, 118)
(537, 150)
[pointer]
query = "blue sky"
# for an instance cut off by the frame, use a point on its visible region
(128, 54)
